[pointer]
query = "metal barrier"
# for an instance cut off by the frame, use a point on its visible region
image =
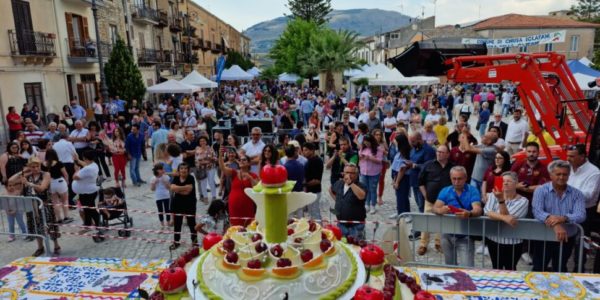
(25, 207)
(484, 227)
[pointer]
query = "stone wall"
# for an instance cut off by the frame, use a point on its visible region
(111, 13)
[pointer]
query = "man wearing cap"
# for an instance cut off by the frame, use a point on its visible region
(299, 157)
(516, 132)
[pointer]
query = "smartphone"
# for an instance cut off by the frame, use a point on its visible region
(454, 209)
(498, 183)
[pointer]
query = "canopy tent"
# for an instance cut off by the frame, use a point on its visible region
(582, 81)
(354, 72)
(235, 73)
(172, 86)
(196, 79)
(285, 77)
(372, 72)
(396, 78)
(254, 71)
(585, 61)
(578, 67)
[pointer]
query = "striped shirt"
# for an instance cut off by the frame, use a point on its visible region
(571, 205)
(517, 207)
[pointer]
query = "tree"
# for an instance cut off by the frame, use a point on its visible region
(587, 10)
(330, 52)
(236, 58)
(123, 77)
(310, 10)
(596, 60)
(288, 50)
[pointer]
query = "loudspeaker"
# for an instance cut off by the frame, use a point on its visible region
(226, 131)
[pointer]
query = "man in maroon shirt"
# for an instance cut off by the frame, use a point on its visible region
(530, 172)
(461, 157)
(15, 124)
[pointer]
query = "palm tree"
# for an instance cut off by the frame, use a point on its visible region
(331, 52)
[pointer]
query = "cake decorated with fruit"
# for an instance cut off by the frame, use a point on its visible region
(275, 257)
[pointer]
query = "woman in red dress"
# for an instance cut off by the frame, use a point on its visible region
(241, 208)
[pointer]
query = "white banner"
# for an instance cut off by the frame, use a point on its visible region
(543, 38)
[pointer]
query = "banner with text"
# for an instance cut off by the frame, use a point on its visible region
(543, 38)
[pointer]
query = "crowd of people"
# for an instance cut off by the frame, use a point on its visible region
(359, 138)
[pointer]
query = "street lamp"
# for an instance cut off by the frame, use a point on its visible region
(103, 87)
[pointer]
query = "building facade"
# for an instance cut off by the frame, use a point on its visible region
(49, 53)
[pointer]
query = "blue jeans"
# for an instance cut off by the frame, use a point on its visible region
(371, 183)
(306, 118)
(458, 250)
(402, 194)
(482, 128)
(134, 170)
(355, 230)
(418, 198)
(18, 216)
(505, 109)
(314, 209)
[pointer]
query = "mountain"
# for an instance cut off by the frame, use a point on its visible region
(363, 21)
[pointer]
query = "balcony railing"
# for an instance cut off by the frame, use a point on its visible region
(81, 52)
(190, 30)
(196, 43)
(179, 57)
(150, 56)
(163, 18)
(32, 43)
(176, 24)
(207, 45)
(216, 48)
(145, 14)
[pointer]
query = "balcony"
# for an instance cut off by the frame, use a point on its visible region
(163, 19)
(196, 43)
(145, 15)
(190, 31)
(207, 45)
(150, 56)
(179, 58)
(176, 24)
(32, 47)
(99, 3)
(84, 53)
(216, 48)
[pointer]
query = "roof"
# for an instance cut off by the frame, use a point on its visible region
(515, 21)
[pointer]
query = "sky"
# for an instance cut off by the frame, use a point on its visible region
(242, 14)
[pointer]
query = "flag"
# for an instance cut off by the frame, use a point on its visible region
(220, 68)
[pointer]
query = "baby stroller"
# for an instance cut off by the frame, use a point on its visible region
(118, 216)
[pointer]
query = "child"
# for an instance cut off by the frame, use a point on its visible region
(112, 206)
(160, 183)
(208, 223)
(14, 210)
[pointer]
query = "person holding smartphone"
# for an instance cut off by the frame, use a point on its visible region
(507, 206)
(464, 201)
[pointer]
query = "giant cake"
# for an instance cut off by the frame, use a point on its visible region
(277, 258)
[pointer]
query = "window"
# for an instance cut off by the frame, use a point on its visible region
(548, 47)
(34, 96)
(574, 43)
(114, 33)
(523, 49)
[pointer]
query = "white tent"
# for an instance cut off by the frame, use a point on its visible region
(285, 77)
(396, 78)
(196, 79)
(235, 73)
(372, 72)
(172, 86)
(583, 79)
(354, 72)
(254, 71)
(586, 61)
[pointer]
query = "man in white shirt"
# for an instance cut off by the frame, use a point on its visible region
(363, 117)
(79, 137)
(84, 184)
(66, 152)
(506, 99)
(516, 132)
(585, 177)
(403, 115)
(253, 149)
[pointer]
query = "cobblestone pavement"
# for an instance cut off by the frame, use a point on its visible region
(141, 198)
